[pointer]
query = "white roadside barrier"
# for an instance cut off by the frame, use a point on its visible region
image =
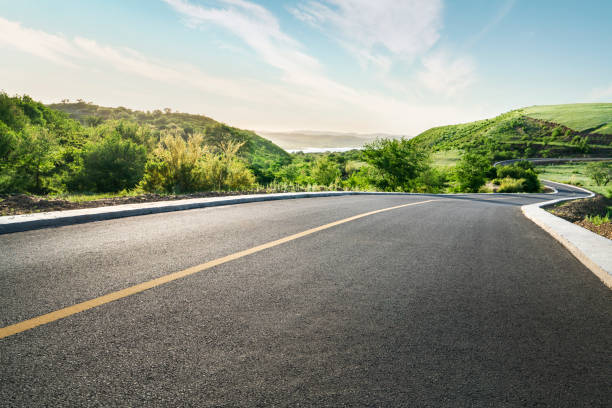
(593, 250)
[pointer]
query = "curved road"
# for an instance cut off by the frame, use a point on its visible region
(451, 301)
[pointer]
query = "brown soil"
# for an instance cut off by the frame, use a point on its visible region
(24, 204)
(604, 229)
(576, 211)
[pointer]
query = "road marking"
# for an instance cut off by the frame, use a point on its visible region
(132, 290)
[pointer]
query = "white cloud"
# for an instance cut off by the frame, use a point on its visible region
(404, 28)
(48, 46)
(304, 97)
(82, 52)
(445, 75)
(598, 94)
(256, 26)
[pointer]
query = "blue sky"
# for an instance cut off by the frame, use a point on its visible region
(341, 65)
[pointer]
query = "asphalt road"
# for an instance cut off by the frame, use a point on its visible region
(455, 302)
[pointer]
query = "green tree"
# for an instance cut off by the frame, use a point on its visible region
(111, 165)
(399, 162)
(325, 171)
(471, 172)
(600, 173)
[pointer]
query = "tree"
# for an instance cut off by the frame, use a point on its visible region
(399, 162)
(600, 173)
(112, 165)
(325, 171)
(179, 166)
(471, 172)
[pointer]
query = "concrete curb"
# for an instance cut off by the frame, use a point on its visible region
(25, 222)
(593, 250)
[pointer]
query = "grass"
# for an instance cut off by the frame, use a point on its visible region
(84, 197)
(577, 116)
(572, 173)
(445, 158)
(522, 132)
(598, 220)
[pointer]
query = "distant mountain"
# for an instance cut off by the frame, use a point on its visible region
(536, 131)
(304, 139)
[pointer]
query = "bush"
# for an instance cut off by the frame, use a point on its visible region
(29, 163)
(398, 161)
(471, 172)
(181, 166)
(600, 173)
(521, 170)
(112, 165)
(366, 178)
(511, 185)
(432, 180)
(325, 171)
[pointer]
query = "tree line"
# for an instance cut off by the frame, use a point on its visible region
(45, 151)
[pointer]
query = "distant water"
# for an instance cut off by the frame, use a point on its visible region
(322, 149)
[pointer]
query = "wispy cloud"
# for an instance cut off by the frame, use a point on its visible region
(598, 94)
(81, 52)
(445, 75)
(260, 30)
(256, 26)
(48, 46)
(301, 96)
(376, 30)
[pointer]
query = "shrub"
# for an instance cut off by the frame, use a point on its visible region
(112, 165)
(511, 185)
(471, 172)
(186, 166)
(600, 173)
(521, 170)
(29, 161)
(432, 180)
(325, 171)
(366, 178)
(398, 161)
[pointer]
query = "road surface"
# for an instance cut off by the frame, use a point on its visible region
(448, 301)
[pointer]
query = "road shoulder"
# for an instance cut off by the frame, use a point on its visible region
(593, 250)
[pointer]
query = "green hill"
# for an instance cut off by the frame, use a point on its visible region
(260, 153)
(539, 131)
(582, 117)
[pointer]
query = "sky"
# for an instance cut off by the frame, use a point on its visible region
(384, 66)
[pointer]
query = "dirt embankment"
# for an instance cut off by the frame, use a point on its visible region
(577, 210)
(26, 204)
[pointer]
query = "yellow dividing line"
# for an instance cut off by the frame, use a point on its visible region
(132, 290)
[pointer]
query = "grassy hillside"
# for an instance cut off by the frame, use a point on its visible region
(260, 153)
(583, 117)
(529, 132)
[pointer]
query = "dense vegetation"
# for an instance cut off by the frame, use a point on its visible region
(84, 148)
(262, 155)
